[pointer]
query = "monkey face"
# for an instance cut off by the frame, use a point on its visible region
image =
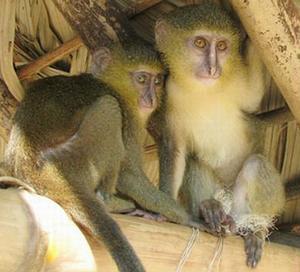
(148, 84)
(207, 53)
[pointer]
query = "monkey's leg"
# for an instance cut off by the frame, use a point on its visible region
(115, 204)
(197, 194)
(258, 196)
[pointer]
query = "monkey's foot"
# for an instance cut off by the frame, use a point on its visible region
(148, 215)
(215, 216)
(253, 247)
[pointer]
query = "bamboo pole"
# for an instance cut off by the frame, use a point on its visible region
(160, 245)
(274, 28)
(37, 233)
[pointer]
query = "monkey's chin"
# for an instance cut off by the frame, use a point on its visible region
(146, 109)
(207, 81)
(145, 113)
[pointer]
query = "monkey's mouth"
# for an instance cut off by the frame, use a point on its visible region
(146, 105)
(207, 75)
(208, 80)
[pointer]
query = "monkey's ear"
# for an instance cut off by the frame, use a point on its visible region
(101, 58)
(161, 29)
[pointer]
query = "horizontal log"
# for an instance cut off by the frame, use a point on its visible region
(160, 245)
(37, 233)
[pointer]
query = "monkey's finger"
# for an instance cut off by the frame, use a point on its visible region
(217, 220)
(253, 250)
(222, 215)
(254, 257)
(211, 220)
(258, 251)
(204, 214)
(230, 223)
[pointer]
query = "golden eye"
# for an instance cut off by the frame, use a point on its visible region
(200, 42)
(141, 78)
(158, 80)
(222, 45)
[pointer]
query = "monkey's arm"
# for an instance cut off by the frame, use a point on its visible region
(198, 193)
(134, 183)
(199, 184)
(171, 156)
(166, 148)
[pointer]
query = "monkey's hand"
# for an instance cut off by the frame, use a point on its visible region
(215, 216)
(253, 246)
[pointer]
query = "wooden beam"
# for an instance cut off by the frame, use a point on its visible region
(39, 234)
(37, 65)
(293, 188)
(276, 117)
(98, 23)
(160, 245)
(274, 28)
(135, 7)
(285, 238)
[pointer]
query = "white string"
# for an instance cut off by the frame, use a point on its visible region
(218, 253)
(188, 249)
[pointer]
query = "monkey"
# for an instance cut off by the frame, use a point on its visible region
(207, 135)
(74, 136)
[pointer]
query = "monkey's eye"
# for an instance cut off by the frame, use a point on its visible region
(222, 45)
(200, 42)
(158, 80)
(141, 79)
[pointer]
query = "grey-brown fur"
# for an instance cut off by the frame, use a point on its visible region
(75, 136)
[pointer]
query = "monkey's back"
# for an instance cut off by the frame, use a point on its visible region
(53, 108)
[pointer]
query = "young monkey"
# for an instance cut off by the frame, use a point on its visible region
(73, 136)
(206, 137)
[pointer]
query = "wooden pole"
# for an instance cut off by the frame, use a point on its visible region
(98, 23)
(37, 233)
(160, 245)
(274, 28)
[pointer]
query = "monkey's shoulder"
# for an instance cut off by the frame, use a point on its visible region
(81, 89)
(58, 104)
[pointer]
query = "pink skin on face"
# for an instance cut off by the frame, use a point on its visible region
(208, 53)
(148, 85)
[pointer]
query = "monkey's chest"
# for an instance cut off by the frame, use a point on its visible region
(221, 138)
